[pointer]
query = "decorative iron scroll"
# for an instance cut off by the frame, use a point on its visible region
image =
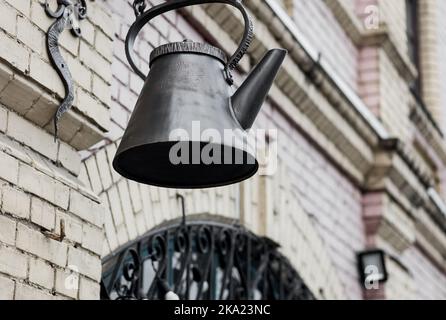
(68, 14)
(202, 260)
(143, 17)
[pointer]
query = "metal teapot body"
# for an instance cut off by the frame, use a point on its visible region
(188, 127)
(182, 89)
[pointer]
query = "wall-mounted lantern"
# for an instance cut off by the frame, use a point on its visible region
(177, 135)
(372, 268)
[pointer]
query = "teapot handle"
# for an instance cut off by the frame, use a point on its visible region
(155, 11)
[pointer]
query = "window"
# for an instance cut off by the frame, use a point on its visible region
(413, 40)
(203, 260)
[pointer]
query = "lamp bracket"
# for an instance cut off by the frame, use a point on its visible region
(68, 15)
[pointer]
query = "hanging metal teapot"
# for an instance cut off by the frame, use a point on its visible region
(177, 136)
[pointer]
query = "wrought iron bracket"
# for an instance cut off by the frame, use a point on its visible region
(68, 15)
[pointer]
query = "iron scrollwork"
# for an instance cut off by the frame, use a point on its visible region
(68, 15)
(139, 6)
(202, 260)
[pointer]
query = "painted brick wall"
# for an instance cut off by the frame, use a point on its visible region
(401, 286)
(393, 13)
(23, 48)
(313, 203)
(394, 100)
(39, 188)
(430, 283)
(381, 86)
(324, 215)
(309, 207)
(439, 69)
(325, 196)
(317, 23)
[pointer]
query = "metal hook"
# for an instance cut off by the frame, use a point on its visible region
(139, 6)
(52, 235)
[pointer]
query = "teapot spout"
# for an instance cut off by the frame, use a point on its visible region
(249, 98)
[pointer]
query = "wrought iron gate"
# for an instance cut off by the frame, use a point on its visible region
(202, 260)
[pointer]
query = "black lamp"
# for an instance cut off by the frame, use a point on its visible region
(372, 266)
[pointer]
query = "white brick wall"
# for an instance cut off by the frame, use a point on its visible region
(34, 242)
(316, 22)
(89, 290)
(43, 214)
(329, 204)
(43, 186)
(7, 230)
(430, 283)
(86, 263)
(313, 210)
(13, 263)
(39, 188)
(67, 283)
(393, 13)
(9, 170)
(27, 292)
(24, 48)
(394, 104)
(41, 273)
(85, 208)
(6, 288)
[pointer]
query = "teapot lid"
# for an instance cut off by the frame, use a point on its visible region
(188, 46)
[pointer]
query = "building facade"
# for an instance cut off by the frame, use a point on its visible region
(358, 107)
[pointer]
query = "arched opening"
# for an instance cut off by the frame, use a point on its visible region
(201, 260)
